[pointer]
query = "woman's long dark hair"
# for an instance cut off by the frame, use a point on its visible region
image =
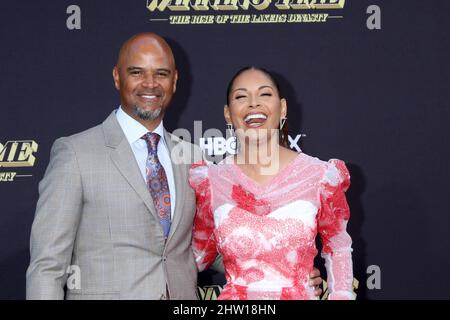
(283, 137)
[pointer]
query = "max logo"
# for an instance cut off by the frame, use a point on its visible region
(14, 154)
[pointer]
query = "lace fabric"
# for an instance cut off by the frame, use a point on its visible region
(266, 234)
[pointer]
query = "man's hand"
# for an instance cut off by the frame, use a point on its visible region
(315, 281)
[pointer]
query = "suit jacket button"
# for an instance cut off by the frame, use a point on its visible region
(163, 297)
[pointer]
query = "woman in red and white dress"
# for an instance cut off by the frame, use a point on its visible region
(262, 208)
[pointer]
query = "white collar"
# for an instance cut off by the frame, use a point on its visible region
(134, 130)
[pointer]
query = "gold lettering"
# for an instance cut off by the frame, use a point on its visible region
(201, 293)
(7, 176)
(303, 4)
(261, 4)
(180, 19)
(240, 18)
(202, 19)
(10, 157)
(233, 5)
(310, 4)
(12, 152)
(180, 5)
(26, 157)
(200, 5)
(282, 4)
(331, 4)
(269, 18)
(153, 5)
(210, 294)
(223, 5)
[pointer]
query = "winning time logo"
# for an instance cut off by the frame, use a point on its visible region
(16, 154)
(182, 12)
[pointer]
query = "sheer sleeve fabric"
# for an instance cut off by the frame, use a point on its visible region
(332, 223)
(203, 239)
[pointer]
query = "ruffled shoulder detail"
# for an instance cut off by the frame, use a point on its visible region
(336, 174)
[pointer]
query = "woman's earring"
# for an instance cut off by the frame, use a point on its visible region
(235, 144)
(282, 122)
(230, 128)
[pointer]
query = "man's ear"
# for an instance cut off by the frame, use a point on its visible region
(283, 111)
(226, 114)
(116, 77)
(175, 79)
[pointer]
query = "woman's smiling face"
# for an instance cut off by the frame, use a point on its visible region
(254, 103)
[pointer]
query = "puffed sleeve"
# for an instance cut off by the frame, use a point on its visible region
(332, 223)
(203, 239)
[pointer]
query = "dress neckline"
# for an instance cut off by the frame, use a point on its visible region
(256, 187)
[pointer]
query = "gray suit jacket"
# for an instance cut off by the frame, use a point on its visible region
(95, 222)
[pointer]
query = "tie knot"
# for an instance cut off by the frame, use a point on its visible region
(152, 140)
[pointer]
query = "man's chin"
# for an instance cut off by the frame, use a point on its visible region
(147, 115)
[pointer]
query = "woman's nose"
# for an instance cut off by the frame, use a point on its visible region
(253, 101)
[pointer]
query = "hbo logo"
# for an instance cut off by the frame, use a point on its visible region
(218, 145)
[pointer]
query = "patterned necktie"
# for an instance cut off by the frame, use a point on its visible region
(157, 181)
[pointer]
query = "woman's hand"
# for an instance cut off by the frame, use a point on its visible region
(315, 281)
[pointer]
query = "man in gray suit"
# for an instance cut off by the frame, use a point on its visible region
(97, 212)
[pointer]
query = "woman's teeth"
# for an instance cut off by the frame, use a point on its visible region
(255, 120)
(255, 116)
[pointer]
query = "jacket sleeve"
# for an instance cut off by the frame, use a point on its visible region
(55, 224)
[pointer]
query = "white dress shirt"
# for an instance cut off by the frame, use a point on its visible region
(134, 131)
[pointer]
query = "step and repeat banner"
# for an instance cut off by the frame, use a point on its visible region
(366, 82)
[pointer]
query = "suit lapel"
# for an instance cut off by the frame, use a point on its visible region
(123, 158)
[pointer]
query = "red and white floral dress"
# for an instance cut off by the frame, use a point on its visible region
(266, 233)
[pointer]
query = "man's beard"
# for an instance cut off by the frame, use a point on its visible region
(147, 115)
